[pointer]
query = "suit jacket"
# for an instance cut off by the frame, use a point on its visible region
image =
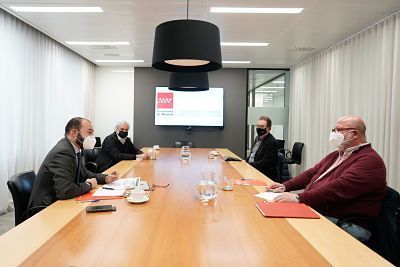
(266, 158)
(113, 151)
(56, 178)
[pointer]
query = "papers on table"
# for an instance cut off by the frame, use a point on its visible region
(101, 192)
(268, 196)
(125, 183)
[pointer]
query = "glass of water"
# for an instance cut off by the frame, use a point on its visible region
(185, 155)
(208, 186)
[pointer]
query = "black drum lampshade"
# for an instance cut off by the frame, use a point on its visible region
(192, 81)
(187, 46)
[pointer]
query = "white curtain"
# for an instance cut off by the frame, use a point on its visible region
(42, 85)
(361, 76)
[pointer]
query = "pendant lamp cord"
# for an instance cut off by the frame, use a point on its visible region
(187, 9)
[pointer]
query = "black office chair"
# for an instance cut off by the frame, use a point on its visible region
(179, 144)
(294, 156)
(98, 142)
(20, 186)
(281, 145)
(283, 169)
(90, 156)
(385, 239)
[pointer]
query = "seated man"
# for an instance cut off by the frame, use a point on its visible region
(264, 153)
(116, 147)
(349, 182)
(62, 174)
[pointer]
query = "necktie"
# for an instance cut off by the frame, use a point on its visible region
(78, 167)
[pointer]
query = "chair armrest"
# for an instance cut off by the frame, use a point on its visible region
(288, 153)
(31, 211)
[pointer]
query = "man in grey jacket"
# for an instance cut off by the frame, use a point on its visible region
(62, 174)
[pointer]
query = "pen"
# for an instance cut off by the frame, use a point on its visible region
(243, 179)
(108, 188)
(94, 200)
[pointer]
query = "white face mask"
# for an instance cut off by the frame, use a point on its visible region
(336, 139)
(89, 142)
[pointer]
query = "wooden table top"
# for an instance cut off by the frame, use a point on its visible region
(174, 228)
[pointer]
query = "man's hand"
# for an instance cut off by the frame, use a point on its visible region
(112, 176)
(276, 188)
(287, 197)
(92, 181)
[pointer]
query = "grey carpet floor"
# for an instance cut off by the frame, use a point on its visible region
(6, 222)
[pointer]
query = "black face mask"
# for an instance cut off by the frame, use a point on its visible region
(79, 140)
(261, 131)
(122, 134)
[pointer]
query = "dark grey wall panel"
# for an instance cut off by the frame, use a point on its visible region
(232, 136)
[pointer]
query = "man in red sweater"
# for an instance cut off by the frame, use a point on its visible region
(350, 182)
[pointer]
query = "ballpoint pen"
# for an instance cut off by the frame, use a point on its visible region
(108, 188)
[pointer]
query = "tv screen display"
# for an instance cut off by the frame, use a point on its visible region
(204, 108)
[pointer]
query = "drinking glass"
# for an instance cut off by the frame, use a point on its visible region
(208, 186)
(185, 155)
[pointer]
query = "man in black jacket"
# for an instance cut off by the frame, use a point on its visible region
(62, 174)
(264, 153)
(116, 147)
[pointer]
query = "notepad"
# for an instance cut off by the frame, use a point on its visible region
(286, 210)
(249, 182)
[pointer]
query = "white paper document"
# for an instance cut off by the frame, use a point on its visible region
(268, 196)
(125, 183)
(101, 192)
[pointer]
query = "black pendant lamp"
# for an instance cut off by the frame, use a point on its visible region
(192, 81)
(187, 46)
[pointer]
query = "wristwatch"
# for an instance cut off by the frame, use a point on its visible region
(297, 197)
(89, 183)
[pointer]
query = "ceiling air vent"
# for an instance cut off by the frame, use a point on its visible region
(112, 55)
(103, 47)
(304, 48)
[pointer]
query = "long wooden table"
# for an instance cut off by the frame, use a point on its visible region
(174, 228)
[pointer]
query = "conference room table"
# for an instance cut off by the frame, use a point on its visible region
(175, 228)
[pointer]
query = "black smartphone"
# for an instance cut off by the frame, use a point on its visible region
(100, 208)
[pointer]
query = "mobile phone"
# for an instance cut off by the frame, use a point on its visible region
(100, 208)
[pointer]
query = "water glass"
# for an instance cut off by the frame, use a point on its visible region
(185, 155)
(227, 184)
(208, 189)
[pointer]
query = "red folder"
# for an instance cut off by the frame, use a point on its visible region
(89, 196)
(286, 210)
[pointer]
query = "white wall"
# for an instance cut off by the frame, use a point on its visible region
(113, 99)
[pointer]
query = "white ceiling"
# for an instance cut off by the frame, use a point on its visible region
(322, 24)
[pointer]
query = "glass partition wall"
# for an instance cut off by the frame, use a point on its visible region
(267, 94)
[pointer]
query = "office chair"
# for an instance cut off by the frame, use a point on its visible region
(283, 169)
(294, 156)
(179, 144)
(20, 186)
(98, 142)
(90, 156)
(281, 145)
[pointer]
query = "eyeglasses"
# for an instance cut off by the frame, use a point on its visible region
(339, 130)
(153, 186)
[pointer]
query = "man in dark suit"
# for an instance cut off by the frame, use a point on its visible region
(264, 153)
(116, 147)
(62, 174)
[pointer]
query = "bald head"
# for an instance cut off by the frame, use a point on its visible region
(354, 122)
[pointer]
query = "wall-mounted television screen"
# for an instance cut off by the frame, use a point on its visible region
(204, 108)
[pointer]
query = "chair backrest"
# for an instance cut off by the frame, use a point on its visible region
(386, 240)
(179, 144)
(20, 186)
(98, 142)
(283, 168)
(91, 154)
(296, 152)
(281, 144)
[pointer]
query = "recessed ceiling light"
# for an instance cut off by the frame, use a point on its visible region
(123, 71)
(66, 9)
(235, 62)
(278, 82)
(243, 44)
(272, 87)
(119, 61)
(96, 43)
(255, 10)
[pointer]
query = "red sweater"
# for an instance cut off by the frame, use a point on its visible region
(353, 189)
